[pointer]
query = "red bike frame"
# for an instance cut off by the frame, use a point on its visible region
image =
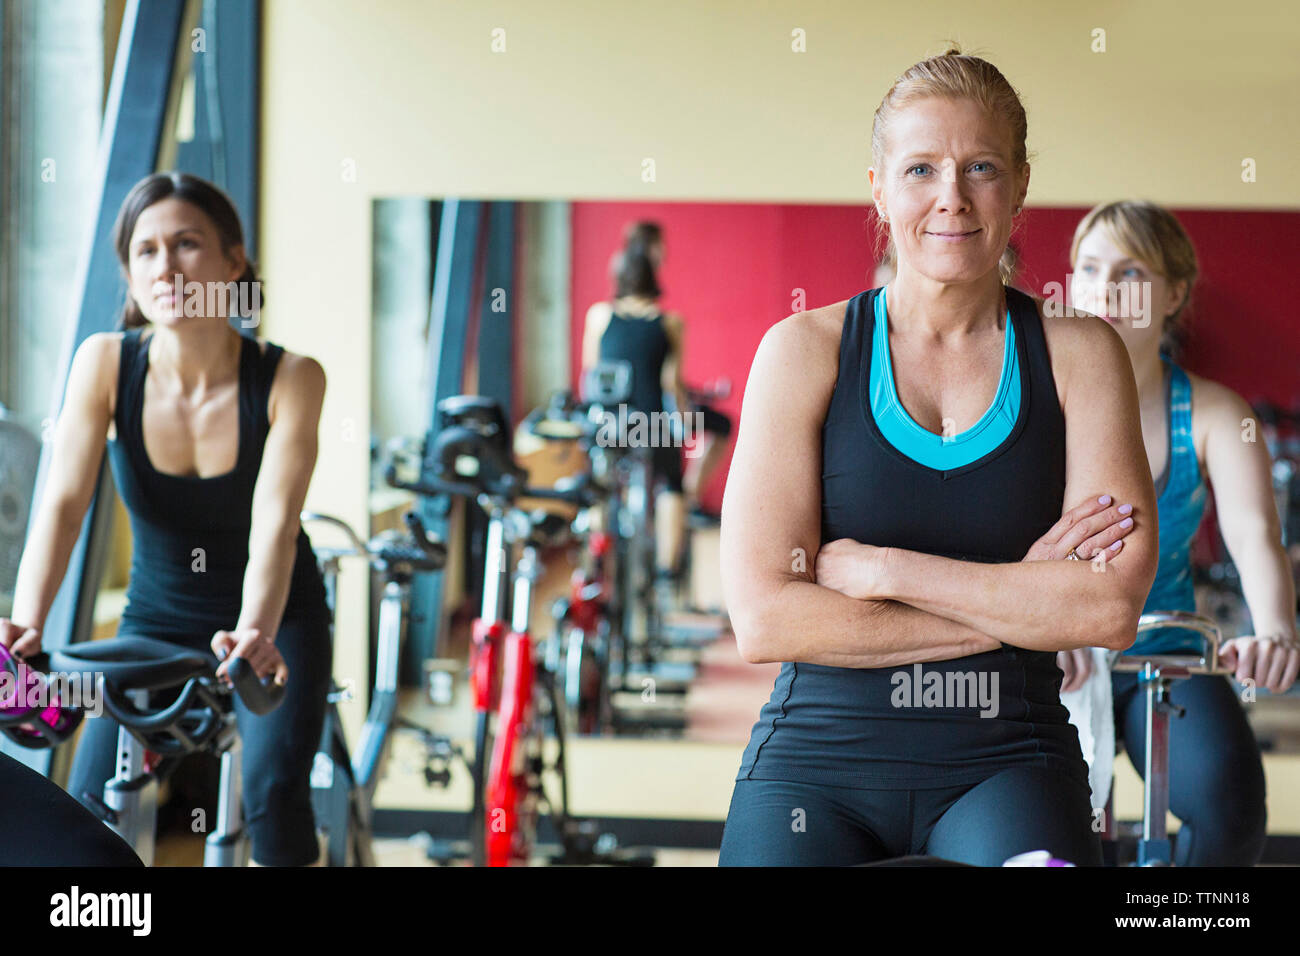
(588, 607)
(503, 683)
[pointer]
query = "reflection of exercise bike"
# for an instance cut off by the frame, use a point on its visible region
(587, 623)
(1156, 674)
(169, 704)
(648, 683)
(607, 388)
(514, 700)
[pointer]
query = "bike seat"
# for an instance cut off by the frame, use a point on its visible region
(609, 382)
(396, 550)
(469, 456)
(135, 663)
(480, 412)
(547, 528)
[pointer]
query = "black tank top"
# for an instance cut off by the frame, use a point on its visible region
(190, 534)
(644, 343)
(873, 728)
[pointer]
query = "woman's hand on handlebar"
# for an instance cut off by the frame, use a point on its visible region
(1086, 529)
(1271, 663)
(21, 641)
(249, 644)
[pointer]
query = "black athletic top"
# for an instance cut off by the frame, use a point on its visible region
(190, 534)
(882, 728)
(644, 343)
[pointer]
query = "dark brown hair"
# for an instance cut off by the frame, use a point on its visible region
(634, 270)
(199, 193)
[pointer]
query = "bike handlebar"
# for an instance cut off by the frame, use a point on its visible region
(1207, 662)
(507, 492)
(259, 696)
(422, 554)
(358, 546)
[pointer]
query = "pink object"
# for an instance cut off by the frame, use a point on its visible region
(1036, 858)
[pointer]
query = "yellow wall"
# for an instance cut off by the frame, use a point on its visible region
(409, 95)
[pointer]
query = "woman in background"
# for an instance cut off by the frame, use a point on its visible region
(632, 327)
(1192, 432)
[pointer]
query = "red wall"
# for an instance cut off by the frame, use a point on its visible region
(731, 270)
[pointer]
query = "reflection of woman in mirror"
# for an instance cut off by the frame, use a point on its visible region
(914, 468)
(632, 327)
(1134, 265)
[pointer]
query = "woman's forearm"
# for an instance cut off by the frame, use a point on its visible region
(807, 622)
(1267, 586)
(267, 578)
(50, 541)
(1038, 605)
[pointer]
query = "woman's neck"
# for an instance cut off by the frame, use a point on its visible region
(199, 354)
(935, 310)
(1149, 373)
(636, 304)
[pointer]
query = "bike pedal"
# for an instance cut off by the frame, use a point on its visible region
(440, 777)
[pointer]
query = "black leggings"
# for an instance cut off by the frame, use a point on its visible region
(1216, 775)
(780, 823)
(40, 825)
(666, 461)
(279, 748)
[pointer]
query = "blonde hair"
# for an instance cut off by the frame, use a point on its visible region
(1153, 235)
(957, 76)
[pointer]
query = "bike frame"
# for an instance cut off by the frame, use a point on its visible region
(635, 516)
(585, 627)
(131, 795)
(343, 787)
(505, 684)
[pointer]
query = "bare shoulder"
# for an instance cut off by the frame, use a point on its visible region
(101, 348)
(94, 368)
(598, 314)
(1215, 398)
(300, 381)
(805, 347)
(1216, 409)
(301, 371)
(1081, 347)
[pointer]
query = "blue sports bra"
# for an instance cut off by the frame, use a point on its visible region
(942, 452)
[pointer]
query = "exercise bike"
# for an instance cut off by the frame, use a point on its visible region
(1156, 674)
(170, 704)
(643, 662)
(343, 786)
(515, 701)
(588, 622)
